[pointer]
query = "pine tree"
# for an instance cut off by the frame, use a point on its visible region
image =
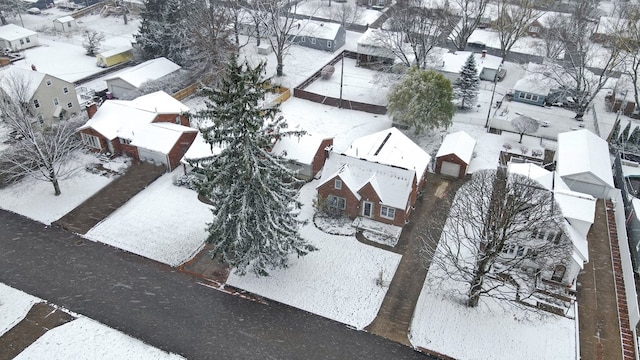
(466, 87)
(254, 223)
(162, 31)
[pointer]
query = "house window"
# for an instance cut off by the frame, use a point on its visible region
(303, 39)
(509, 249)
(367, 208)
(337, 202)
(28, 40)
(36, 103)
(534, 29)
(65, 90)
(56, 102)
(337, 184)
(21, 42)
(521, 95)
(69, 105)
(125, 141)
(49, 83)
(558, 273)
(329, 43)
(534, 97)
(387, 212)
(41, 118)
(91, 140)
(313, 41)
(178, 120)
(521, 251)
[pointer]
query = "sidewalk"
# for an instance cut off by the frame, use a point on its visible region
(396, 312)
(95, 209)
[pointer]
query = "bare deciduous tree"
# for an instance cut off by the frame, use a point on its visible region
(489, 237)
(524, 125)
(344, 13)
(514, 18)
(629, 41)
(471, 13)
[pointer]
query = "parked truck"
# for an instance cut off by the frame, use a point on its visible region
(114, 57)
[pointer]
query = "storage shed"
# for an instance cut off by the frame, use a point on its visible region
(114, 56)
(584, 163)
(455, 154)
(65, 24)
(306, 153)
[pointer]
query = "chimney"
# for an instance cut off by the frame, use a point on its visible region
(91, 108)
(484, 54)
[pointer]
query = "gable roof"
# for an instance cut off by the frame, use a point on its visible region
(160, 137)
(27, 80)
(12, 32)
(583, 152)
(392, 184)
(147, 71)
(319, 30)
(65, 19)
(453, 62)
(391, 147)
(460, 144)
(122, 118)
(301, 149)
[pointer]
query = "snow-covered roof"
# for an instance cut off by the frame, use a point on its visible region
(391, 147)
(392, 184)
(147, 71)
(460, 144)
(581, 152)
(535, 81)
(609, 25)
(12, 32)
(160, 137)
(200, 149)
(27, 80)
(319, 30)
(580, 252)
(300, 149)
(453, 62)
(123, 118)
(548, 16)
(115, 51)
(65, 19)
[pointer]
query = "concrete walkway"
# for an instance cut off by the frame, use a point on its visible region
(396, 312)
(95, 209)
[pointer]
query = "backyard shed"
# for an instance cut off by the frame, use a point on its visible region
(17, 38)
(65, 24)
(584, 163)
(455, 154)
(306, 153)
(114, 56)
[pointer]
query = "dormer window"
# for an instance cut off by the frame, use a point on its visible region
(337, 184)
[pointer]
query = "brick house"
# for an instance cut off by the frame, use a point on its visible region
(378, 178)
(153, 128)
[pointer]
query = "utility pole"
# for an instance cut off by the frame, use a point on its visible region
(493, 92)
(341, 80)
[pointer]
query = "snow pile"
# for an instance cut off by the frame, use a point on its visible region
(36, 200)
(164, 222)
(14, 306)
(338, 281)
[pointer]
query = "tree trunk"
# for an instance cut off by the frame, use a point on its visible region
(476, 288)
(125, 18)
(521, 135)
(279, 68)
(56, 186)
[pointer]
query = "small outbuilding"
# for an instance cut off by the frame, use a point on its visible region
(584, 163)
(319, 35)
(17, 38)
(455, 154)
(306, 153)
(487, 65)
(65, 24)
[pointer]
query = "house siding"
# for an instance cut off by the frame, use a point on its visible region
(180, 148)
(539, 101)
(369, 194)
(352, 209)
(171, 118)
(320, 156)
(45, 95)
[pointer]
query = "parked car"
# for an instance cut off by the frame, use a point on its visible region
(502, 72)
(34, 11)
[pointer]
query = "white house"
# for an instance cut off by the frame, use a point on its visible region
(131, 79)
(65, 23)
(584, 163)
(487, 65)
(17, 38)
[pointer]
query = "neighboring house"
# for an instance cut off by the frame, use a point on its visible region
(612, 29)
(534, 87)
(65, 24)
(317, 35)
(375, 4)
(51, 98)
(378, 178)
(545, 22)
(131, 79)
(17, 38)
(372, 49)
(306, 153)
(578, 210)
(583, 161)
(153, 128)
(487, 65)
(40, 4)
(455, 154)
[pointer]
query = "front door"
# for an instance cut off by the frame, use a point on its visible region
(367, 209)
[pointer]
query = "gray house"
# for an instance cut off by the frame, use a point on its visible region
(534, 87)
(317, 35)
(131, 79)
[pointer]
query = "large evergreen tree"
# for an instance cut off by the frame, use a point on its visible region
(162, 31)
(466, 87)
(254, 225)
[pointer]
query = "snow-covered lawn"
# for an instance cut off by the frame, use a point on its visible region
(321, 9)
(81, 338)
(338, 281)
(14, 306)
(36, 200)
(163, 222)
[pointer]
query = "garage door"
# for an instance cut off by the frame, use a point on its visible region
(449, 168)
(152, 156)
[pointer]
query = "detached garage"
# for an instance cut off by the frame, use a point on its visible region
(584, 163)
(455, 154)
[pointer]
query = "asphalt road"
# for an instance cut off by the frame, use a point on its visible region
(166, 308)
